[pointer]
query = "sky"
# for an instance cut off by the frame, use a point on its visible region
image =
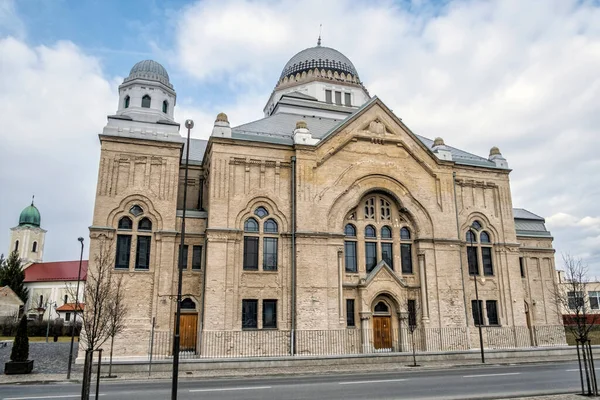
(520, 75)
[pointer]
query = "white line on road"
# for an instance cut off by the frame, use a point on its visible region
(64, 396)
(483, 375)
(226, 389)
(379, 381)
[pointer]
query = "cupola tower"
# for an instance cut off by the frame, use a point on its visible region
(27, 238)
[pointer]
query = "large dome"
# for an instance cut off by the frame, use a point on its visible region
(318, 57)
(30, 216)
(150, 70)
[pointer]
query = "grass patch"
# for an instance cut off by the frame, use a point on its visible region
(42, 338)
(594, 336)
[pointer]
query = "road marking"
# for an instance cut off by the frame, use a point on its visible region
(64, 396)
(379, 381)
(226, 389)
(484, 375)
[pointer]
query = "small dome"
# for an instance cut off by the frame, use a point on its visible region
(30, 216)
(222, 117)
(301, 125)
(494, 151)
(318, 57)
(438, 142)
(149, 70)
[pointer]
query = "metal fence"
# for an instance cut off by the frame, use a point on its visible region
(274, 343)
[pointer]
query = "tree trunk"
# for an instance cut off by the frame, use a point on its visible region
(112, 342)
(87, 375)
(412, 334)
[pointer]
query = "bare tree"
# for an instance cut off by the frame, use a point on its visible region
(117, 312)
(412, 319)
(572, 305)
(96, 317)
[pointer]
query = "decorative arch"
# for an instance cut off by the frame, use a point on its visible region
(484, 220)
(126, 203)
(391, 298)
(271, 206)
(411, 207)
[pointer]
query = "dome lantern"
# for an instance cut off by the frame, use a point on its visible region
(149, 70)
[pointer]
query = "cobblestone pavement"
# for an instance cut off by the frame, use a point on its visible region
(49, 358)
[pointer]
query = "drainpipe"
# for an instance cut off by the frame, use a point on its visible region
(462, 275)
(293, 303)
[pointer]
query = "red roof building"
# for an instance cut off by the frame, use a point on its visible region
(55, 271)
(71, 307)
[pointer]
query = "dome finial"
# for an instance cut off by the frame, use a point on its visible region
(319, 40)
(32, 198)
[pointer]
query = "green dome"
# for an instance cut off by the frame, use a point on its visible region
(30, 216)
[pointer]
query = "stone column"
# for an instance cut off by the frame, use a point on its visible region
(424, 302)
(340, 255)
(365, 328)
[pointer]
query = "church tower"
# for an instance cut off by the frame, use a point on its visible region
(28, 237)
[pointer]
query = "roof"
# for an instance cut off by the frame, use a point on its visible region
(318, 57)
(197, 149)
(71, 307)
(299, 95)
(6, 293)
(150, 70)
(55, 271)
(278, 128)
(529, 224)
(30, 216)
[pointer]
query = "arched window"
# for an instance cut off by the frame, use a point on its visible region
(350, 230)
(476, 225)
(406, 251)
(261, 212)
(188, 304)
(136, 210)
(257, 242)
(126, 102)
(146, 101)
(381, 307)
(370, 231)
(479, 251)
(385, 213)
(16, 245)
(165, 108)
(251, 225)
(386, 232)
(270, 226)
(145, 224)
(350, 248)
(125, 223)
(34, 247)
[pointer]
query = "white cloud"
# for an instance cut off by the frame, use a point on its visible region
(10, 23)
(54, 102)
(519, 75)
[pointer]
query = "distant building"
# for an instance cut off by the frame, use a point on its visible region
(10, 305)
(50, 284)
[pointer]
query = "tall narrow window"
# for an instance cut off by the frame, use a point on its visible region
(350, 248)
(41, 301)
(370, 255)
(269, 254)
(338, 98)
(65, 299)
(328, 98)
(350, 321)
(249, 314)
(146, 101)
(522, 267)
(16, 245)
(486, 257)
(142, 254)
(412, 313)
(34, 247)
(127, 100)
(250, 253)
(594, 298)
(184, 256)
(492, 312)
(269, 314)
(348, 98)
(472, 260)
(165, 107)
(477, 310)
(197, 257)
(406, 251)
(68, 317)
(123, 251)
(387, 253)
(370, 208)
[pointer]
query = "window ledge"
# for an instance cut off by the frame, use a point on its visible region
(141, 269)
(259, 271)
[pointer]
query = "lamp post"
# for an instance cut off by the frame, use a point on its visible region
(189, 124)
(479, 311)
(74, 322)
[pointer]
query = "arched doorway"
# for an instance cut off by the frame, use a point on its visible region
(188, 325)
(382, 325)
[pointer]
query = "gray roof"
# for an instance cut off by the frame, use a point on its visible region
(318, 57)
(529, 224)
(299, 95)
(150, 70)
(197, 149)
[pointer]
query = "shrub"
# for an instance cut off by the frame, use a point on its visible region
(20, 349)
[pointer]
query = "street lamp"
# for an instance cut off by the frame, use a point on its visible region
(74, 322)
(189, 124)
(479, 311)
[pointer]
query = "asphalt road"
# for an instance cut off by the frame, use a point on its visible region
(480, 382)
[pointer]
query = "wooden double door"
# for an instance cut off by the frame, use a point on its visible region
(188, 332)
(382, 332)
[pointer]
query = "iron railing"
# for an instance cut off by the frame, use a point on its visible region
(276, 343)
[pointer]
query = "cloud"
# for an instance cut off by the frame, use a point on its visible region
(54, 102)
(519, 75)
(10, 23)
